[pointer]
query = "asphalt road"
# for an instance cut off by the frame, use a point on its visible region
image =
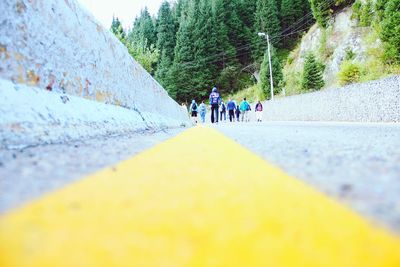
(355, 163)
(26, 174)
(161, 208)
(359, 164)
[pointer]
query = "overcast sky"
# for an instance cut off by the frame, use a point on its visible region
(125, 10)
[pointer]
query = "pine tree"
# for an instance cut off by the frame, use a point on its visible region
(321, 11)
(116, 28)
(390, 33)
(165, 43)
(163, 73)
(306, 10)
(366, 14)
(166, 29)
(277, 74)
(267, 21)
(205, 47)
(291, 11)
(278, 5)
(148, 28)
(143, 30)
(184, 60)
(177, 11)
(379, 8)
(312, 74)
(147, 57)
(224, 49)
(247, 13)
(239, 34)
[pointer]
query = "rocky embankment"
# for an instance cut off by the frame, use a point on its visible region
(375, 101)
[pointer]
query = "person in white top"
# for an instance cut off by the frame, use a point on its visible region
(259, 111)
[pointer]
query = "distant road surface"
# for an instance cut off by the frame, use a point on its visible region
(356, 163)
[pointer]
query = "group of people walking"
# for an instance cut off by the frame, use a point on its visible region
(219, 109)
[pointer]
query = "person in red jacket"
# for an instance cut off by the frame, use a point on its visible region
(259, 111)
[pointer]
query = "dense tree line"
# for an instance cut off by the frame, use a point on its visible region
(388, 20)
(192, 45)
(384, 15)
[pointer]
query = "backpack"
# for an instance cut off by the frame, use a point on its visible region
(248, 106)
(214, 98)
(194, 107)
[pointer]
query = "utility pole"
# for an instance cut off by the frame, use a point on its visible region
(270, 70)
(263, 34)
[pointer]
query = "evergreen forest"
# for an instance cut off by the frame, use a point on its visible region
(192, 45)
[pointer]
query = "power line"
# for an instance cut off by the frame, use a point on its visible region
(309, 14)
(295, 26)
(307, 19)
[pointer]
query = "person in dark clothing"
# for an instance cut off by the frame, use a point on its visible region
(231, 110)
(237, 113)
(215, 99)
(193, 111)
(223, 111)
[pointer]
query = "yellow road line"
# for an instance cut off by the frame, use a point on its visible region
(196, 200)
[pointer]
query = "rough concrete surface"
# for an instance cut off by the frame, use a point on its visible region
(353, 162)
(32, 116)
(375, 101)
(28, 173)
(57, 46)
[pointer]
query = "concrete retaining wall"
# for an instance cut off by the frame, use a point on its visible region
(375, 101)
(56, 46)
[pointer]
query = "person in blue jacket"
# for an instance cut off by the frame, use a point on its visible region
(203, 111)
(231, 106)
(215, 100)
(223, 111)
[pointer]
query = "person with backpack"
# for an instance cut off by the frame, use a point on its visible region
(259, 111)
(248, 112)
(244, 110)
(215, 99)
(223, 111)
(193, 111)
(237, 112)
(203, 111)
(231, 106)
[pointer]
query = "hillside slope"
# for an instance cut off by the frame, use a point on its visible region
(344, 43)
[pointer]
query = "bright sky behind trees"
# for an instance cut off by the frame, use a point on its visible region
(125, 10)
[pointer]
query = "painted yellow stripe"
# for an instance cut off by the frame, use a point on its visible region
(196, 200)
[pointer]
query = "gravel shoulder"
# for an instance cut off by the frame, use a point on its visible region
(373, 101)
(356, 163)
(28, 173)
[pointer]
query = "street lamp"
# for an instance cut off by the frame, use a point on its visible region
(266, 36)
